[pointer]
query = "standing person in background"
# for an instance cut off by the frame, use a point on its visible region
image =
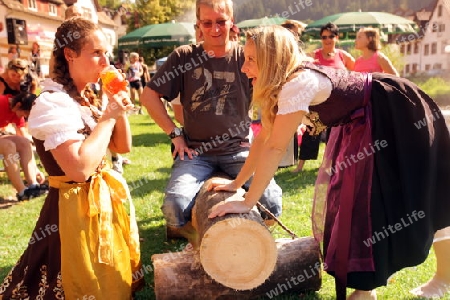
(372, 60)
(13, 52)
(35, 59)
(328, 56)
(214, 92)
(92, 246)
(145, 73)
(234, 33)
(360, 193)
(134, 73)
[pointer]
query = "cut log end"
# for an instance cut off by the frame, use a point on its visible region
(238, 253)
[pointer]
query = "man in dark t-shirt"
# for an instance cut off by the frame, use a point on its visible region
(215, 96)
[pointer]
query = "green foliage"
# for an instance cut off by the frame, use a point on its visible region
(314, 10)
(111, 4)
(147, 12)
(147, 177)
(435, 86)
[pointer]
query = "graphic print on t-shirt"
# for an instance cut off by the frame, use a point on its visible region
(214, 93)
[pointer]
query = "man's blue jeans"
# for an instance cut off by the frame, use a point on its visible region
(188, 177)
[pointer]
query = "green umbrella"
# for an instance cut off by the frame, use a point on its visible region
(352, 21)
(168, 34)
(260, 22)
(159, 35)
(133, 39)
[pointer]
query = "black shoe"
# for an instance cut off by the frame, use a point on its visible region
(33, 192)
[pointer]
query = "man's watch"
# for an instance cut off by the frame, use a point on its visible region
(176, 132)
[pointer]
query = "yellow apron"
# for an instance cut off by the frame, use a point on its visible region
(100, 253)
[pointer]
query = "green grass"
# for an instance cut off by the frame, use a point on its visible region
(147, 176)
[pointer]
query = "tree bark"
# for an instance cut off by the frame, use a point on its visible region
(180, 275)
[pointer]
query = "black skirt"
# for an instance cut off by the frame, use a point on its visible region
(410, 198)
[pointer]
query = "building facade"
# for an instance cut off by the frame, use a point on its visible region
(42, 18)
(428, 51)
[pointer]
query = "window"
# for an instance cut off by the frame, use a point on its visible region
(427, 50)
(434, 48)
(53, 11)
(416, 48)
(402, 48)
(439, 11)
(414, 68)
(32, 4)
(427, 67)
(437, 66)
(407, 69)
(408, 49)
(435, 26)
(442, 27)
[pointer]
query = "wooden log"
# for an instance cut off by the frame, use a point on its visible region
(236, 250)
(180, 275)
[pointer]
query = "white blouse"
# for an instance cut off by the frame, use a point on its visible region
(56, 117)
(307, 88)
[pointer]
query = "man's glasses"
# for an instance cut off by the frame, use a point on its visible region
(209, 24)
(324, 37)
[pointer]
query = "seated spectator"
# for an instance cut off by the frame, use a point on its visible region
(17, 149)
(14, 74)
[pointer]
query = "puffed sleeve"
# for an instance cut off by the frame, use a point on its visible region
(55, 118)
(306, 88)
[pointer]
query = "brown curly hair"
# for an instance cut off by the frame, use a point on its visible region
(71, 34)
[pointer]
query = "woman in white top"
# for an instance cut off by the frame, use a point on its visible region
(371, 179)
(84, 242)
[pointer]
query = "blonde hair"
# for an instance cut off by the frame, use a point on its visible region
(373, 34)
(278, 56)
(217, 5)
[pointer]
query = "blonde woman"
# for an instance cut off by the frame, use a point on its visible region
(371, 207)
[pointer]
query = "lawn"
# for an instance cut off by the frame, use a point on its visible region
(147, 176)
